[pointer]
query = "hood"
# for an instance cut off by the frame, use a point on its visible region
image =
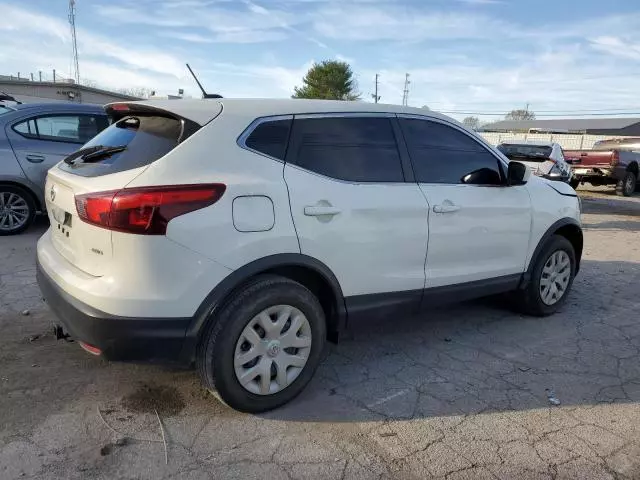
(562, 188)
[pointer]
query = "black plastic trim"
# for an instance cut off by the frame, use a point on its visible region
(237, 278)
(361, 307)
(119, 338)
(470, 290)
(551, 231)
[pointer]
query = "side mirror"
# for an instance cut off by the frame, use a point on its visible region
(517, 174)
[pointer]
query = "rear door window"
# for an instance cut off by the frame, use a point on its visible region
(146, 138)
(356, 149)
(68, 128)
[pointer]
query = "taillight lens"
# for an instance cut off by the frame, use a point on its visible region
(615, 158)
(145, 210)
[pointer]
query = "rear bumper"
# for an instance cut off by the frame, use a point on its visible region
(119, 338)
(604, 173)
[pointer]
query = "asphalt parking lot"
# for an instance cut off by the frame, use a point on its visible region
(465, 391)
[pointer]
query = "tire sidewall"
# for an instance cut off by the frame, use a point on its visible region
(554, 244)
(220, 350)
(28, 198)
(628, 192)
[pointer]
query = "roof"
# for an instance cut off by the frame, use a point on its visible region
(533, 143)
(18, 111)
(571, 124)
(202, 110)
(8, 81)
(58, 106)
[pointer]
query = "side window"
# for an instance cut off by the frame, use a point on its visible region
(270, 137)
(27, 128)
(62, 128)
(442, 154)
(356, 149)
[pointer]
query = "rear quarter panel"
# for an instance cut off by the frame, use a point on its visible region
(213, 156)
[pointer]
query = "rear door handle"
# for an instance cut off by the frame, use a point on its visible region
(35, 158)
(446, 208)
(319, 211)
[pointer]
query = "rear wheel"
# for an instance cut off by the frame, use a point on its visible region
(264, 345)
(627, 185)
(551, 279)
(17, 210)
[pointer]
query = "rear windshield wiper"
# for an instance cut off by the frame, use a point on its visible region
(93, 153)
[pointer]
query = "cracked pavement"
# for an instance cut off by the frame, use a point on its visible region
(460, 392)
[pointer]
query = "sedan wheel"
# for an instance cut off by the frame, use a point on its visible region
(16, 210)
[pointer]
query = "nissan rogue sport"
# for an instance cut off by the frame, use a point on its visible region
(241, 235)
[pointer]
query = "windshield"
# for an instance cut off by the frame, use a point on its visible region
(530, 152)
(5, 109)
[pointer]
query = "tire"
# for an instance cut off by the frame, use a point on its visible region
(530, 300)
(224, 340)
(627, 186)
(17, 206)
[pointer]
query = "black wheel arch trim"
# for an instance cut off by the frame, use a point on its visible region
(239, 277)
(548, 234)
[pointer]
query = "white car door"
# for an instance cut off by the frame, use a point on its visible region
(353, 209)
(478, 227)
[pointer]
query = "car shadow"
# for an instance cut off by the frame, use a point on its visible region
(481, 357)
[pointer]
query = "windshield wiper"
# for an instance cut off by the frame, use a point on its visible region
(93, 153)
(105, 152)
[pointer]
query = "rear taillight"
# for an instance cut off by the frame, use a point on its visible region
(615, 158)
(145, 210)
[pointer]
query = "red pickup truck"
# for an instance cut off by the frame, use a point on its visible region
(610, 162)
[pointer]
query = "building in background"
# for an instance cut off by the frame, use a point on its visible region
(28, 91)
(590, 126)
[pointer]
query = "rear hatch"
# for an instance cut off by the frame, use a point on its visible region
(139, 136)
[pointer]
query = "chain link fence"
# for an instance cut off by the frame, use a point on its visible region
(566, 140)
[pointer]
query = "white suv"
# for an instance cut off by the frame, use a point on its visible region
(242, 234)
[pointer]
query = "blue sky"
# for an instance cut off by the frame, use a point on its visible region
(463, 55)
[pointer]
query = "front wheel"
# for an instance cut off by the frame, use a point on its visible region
(627, 185)
(574, 183)
(551, 279)
(264, 345)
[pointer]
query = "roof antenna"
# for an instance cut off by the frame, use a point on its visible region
(204, 93)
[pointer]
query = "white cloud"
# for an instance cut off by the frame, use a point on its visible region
(617, 46)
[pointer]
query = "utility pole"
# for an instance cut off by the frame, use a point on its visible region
(405, 94)
(375, 95)
(74, 42)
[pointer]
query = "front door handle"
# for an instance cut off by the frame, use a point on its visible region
(446, 208)
(35, 158)
(320, 211)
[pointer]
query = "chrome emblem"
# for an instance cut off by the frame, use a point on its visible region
(52, 193)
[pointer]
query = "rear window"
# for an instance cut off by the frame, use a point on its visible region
(146, 138)
(530, 153)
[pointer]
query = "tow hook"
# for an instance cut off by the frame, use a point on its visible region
(59, 333)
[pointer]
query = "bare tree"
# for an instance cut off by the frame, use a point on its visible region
(520, 114)
(471, 122)
(139, 92)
